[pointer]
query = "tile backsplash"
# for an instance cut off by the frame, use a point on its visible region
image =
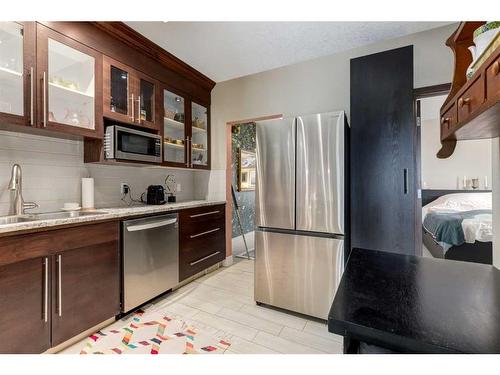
(52, 171)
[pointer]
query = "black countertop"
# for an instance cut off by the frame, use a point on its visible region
(413, 304)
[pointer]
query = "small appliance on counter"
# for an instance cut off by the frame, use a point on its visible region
(170, 184)
(155, 195)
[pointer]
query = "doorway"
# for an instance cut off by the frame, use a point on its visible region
(243, 184)
(456, 202)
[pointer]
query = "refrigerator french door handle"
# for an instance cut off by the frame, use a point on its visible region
(405, 182)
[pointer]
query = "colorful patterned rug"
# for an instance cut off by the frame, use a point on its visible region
(153, 333)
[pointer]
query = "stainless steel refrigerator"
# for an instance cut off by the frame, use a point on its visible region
(300, 203)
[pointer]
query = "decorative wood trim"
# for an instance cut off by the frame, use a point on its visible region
(447, 148)
(135, 40)
(434, 90)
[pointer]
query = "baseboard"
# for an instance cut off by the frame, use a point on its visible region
(228, 261)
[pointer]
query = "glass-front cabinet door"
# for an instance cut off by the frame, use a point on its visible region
(174, 129)
(146, 102)
(199, 135)
(17, 68)
(70, 77)
(118, 100)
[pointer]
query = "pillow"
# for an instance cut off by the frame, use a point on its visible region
(462, 202)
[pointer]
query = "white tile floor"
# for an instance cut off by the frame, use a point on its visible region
(221, 303)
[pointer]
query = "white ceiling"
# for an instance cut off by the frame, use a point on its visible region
(227, 50)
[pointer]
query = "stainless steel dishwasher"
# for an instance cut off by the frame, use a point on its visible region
(150, 258)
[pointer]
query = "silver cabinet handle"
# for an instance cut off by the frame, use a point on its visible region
(156, 224)
(32, 92)
(187, 152)
(203, 233)
(405, 182)
(46, 290)
(139, 109)
(59, 285)
(44, 88)
(204, 214)
(204, 258)
(132, 109)
(191, 151)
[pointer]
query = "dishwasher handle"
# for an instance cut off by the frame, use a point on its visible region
(154, 224)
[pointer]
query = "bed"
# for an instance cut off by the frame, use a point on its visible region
(458, 225)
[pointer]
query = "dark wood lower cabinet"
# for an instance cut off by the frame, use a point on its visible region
(22, 307)
(56, 284)
(86, 289)
(202, 239)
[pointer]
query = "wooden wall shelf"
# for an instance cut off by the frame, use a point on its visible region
(471, 110)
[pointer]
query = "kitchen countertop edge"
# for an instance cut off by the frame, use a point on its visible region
(111, 214)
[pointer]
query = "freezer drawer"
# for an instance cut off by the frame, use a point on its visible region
(320, 173)
(296, 272)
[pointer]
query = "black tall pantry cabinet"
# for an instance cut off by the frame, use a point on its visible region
(384, 199)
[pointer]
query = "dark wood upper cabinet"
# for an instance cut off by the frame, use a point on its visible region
(68, 77)
(199, 138)
(17, 73)
(186, 130)
(472, 109)
(70, 85)
(24, 307)
(129, 96)
(175, 128)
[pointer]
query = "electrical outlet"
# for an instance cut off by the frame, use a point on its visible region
(124, 188)
(178, 189)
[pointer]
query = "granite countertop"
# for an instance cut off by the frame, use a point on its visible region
(413, 304)
(105, 214)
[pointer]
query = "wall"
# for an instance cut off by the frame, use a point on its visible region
(471, 158)
(318, 85)
(496, 200)
(243, 139)
(52, 169)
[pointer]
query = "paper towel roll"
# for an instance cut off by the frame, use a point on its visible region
(87, 193)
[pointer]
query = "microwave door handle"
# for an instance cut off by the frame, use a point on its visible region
(156, 224)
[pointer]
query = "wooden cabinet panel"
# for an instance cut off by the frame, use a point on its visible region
(69, 85)
(22, 307)
(17, 73)
(86, 289)
(382, 108)
(448, 121)
(202, 239)
(470, 100)
(493, 81)
(83, 284)
(129, 96)
(26, 246)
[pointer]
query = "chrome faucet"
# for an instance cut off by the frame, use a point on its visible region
(16, 184)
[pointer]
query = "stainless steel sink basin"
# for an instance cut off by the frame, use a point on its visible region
(15, 219)
(46, 216)
(65, 215)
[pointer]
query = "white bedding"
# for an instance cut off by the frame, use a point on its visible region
(478, 229)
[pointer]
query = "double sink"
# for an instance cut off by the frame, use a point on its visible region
(46, 216)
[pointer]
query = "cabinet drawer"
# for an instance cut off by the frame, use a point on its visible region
(195, 248)
(448, 121)
(470, 100)
(493, 81)
(197, 221)
(208, 259)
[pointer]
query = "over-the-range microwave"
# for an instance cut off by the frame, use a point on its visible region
(131, 144)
